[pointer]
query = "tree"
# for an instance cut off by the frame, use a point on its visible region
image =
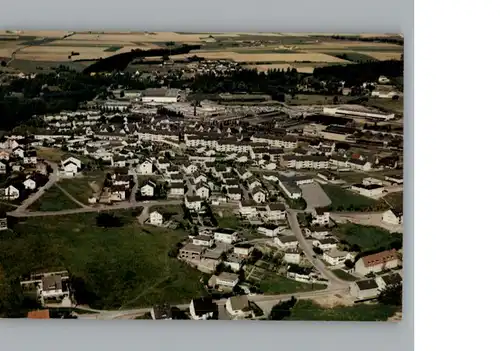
(3, 63)
(282, 309)
(392, 295)
(349, 264)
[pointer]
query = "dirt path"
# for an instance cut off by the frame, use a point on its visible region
(71, 196)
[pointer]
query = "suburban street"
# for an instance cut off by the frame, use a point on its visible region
(274, 299)
(53, 178)
(335, 283)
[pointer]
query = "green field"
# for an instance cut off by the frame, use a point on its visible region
(368, 238)
(228, 221)
(307, 310)
(339, 273)
(80, 188)
(345, 200)
(53, 200)
(389, 105)
(395, 199)
(377, 48)
(274, 284)
(111, 267)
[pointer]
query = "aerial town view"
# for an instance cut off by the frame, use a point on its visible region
(204, 176)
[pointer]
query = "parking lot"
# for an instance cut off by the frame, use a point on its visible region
(314, 195)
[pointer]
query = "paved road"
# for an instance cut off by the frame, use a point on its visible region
(53, 178)
(118, 206)
(309, 253)
(130, 313)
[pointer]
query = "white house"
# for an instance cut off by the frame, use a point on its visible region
(18, 151)
(393, 217)
(3, 168)
(145, 168)
(227, 279)
(364, 289)
(292, 256)
(276, 212)
(269, 230)
(176, 190)
(69, 169)
(321, 217)
(193, 202)
(377, 262)
(318, 232)
(243, 250)
(156, 218)
(234, 194)
(286, 242)
(148, 189)
(238, 306)
(29, 184)
(72, 159)
(202, 308)
(203, 240)
(225, 235)
(291, 190)
(335, 257)
(189, 168)
(248, 209)
(370, 190)
(325, 244)
(258, 195)
(11, 193)
(388, 279)
(203, 191)
(234, 262)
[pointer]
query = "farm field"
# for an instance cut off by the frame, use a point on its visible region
(259, 48)
(125, 265)
(308, 310)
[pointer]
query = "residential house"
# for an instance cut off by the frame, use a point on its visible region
(239, 306)
(203, 240)
(377, 262)
(176, 178)
(318, 232)
(234, 194)
(148, 189)
(176, 190)
(243, 250)
(200, 178)
(286, 242)
(370, 190)
(3, 168)
(258, 195)
(156, 218)
(72, 159)
(226, 235)
(364, 289)
(234, 262)
(203, 191)
(269, 230)
(248, 208)
(11, 193)
(145, 168)
(29, 184)
(388, 280)
(189, 168)
(226, 279)
(298, 273)
(202, 308)
(4, 155)
(393, 216)
(292, 256)
(30, 157)
(335, 257)
(276, 212)
(191, 251)
(325, 244)
(193, 202)
(321, 217)
(39, 314)
(18, 151)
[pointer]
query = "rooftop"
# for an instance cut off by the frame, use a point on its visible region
(379, 258)
(367, 284)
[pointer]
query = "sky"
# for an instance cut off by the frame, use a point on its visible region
(382, 16)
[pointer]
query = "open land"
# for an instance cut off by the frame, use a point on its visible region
(114, 266)
(259, 49)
